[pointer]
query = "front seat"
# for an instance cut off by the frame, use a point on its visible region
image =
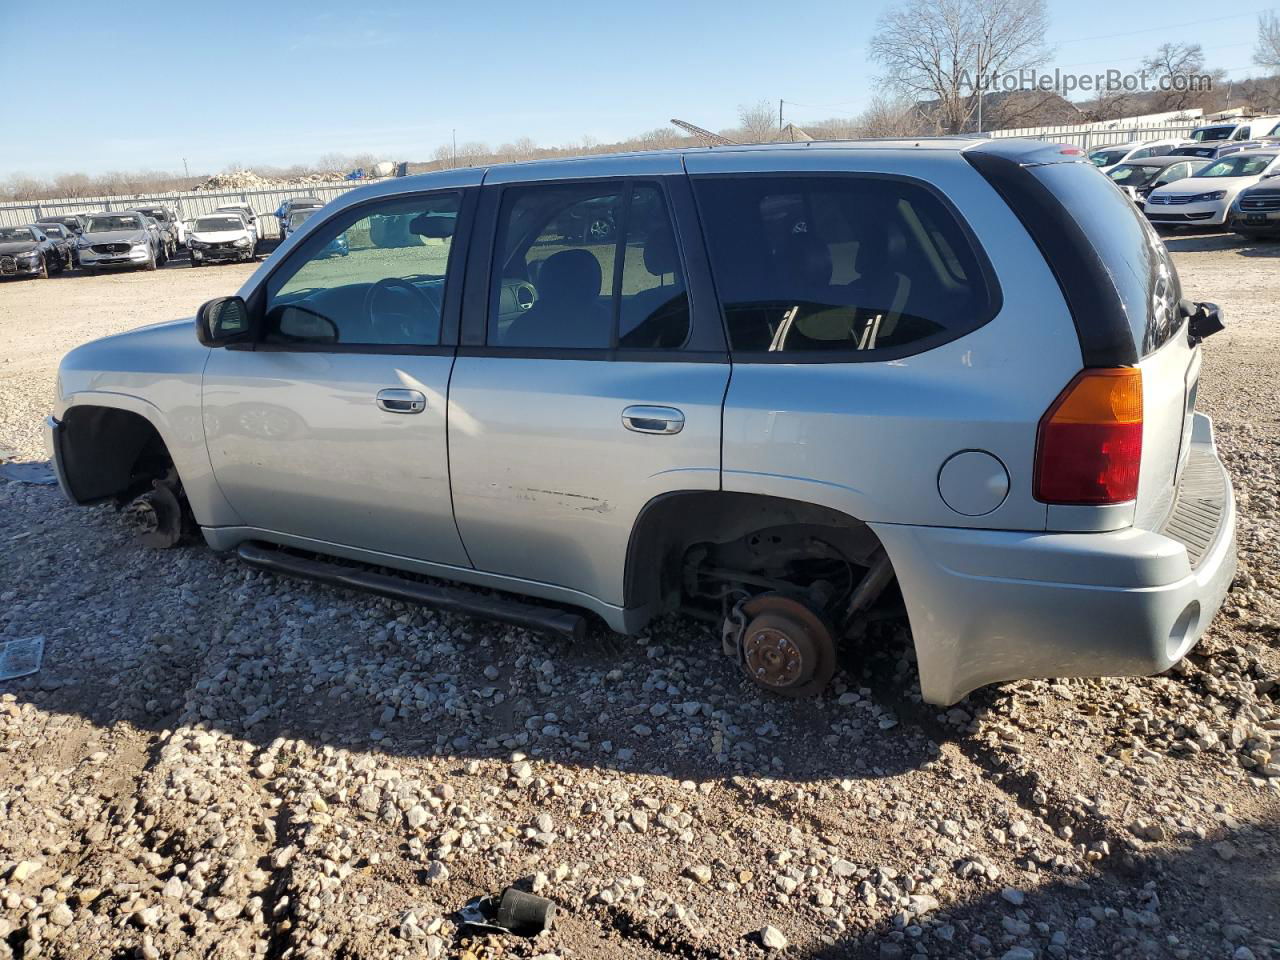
(657, 318)
(568, 311)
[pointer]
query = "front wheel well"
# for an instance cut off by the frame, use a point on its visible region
(765, 541)
(108, 453)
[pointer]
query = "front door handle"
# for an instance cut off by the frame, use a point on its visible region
(402, 401)
(645, 419)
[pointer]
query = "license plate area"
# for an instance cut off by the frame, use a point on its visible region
(1255, 218)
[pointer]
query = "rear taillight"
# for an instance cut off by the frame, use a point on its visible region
(1089, 447)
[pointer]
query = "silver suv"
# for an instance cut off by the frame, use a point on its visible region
(791, 390)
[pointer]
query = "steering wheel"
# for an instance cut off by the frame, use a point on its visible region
(404, 323)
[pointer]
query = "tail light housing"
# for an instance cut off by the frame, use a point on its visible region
(1089, 444)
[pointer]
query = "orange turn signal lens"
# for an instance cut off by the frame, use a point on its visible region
(1089, 445)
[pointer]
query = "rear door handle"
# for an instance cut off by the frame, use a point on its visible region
(402, 401)
(646, 419)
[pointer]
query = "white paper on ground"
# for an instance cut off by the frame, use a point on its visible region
(20, 657)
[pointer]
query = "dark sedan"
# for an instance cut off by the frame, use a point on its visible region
(27, 252)
(64, 240)
(72, 221)
(1215, 149)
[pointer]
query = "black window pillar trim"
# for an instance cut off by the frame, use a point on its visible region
(1106, 338)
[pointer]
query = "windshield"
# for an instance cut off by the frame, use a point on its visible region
(212, 224)
(1105, 158)
(8, 234)
(155, 213)
(1239, 165)
(1213, 133)
(106, 224)
(298, 218)
(1133, 174)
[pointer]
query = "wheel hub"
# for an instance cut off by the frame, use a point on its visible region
(786, 647)
(771, 658)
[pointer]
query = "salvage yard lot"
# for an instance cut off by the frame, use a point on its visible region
(214, 762)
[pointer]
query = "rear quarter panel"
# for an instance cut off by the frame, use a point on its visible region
(869, 438)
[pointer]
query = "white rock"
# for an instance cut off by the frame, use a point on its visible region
(774, 939)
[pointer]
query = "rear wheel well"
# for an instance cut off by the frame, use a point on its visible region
(766, 541)
(110, 453)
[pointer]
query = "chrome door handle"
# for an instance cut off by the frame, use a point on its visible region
(645, 419)
(402, 401)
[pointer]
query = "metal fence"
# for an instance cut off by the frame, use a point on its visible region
(188, 204)
(1092, 137)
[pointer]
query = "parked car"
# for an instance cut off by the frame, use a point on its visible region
(290, 204)
(1107, 157)
(1255, 212)
(72, 221)
(27, 251)
(1215, 150)
(170, 224)
(246, 213)
(159, 238)
(63, 240)
(1043, 497)
(1205, 197)
(338, 247)
(118, 239)
(1238, 129)
(1137, 178)
(220, 236)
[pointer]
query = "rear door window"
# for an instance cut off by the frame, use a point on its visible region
(587, 266)
(851, 266)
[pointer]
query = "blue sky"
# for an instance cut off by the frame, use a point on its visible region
(143, 85)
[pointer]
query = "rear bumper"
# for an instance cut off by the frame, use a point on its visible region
(991, 606)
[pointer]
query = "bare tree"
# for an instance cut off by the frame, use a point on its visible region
(888, 117)
(757, 123)
(1178, 69)
(940, 50)
(660, 138)
(1267, 53)
(473, 153)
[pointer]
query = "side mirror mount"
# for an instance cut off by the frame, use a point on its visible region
(1205, 319)
(221, 321)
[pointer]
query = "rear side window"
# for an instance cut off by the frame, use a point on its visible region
(1137, 261)
(587, 266)
(869, 267)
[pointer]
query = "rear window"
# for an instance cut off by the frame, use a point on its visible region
(1132, 254)
(866, 267)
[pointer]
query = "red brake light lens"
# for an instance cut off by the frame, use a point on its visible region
(1089, 446)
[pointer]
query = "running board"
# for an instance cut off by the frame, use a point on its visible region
(455, 600)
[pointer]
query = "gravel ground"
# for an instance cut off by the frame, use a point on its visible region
(217, 763)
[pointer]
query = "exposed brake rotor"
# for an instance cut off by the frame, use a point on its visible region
(158, 516)
(785, 646)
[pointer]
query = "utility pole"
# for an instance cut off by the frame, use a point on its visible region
(979, 86)
(185, 171)
(779, 116)
(455, 146)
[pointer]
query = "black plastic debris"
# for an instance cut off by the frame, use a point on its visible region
(524, 914)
